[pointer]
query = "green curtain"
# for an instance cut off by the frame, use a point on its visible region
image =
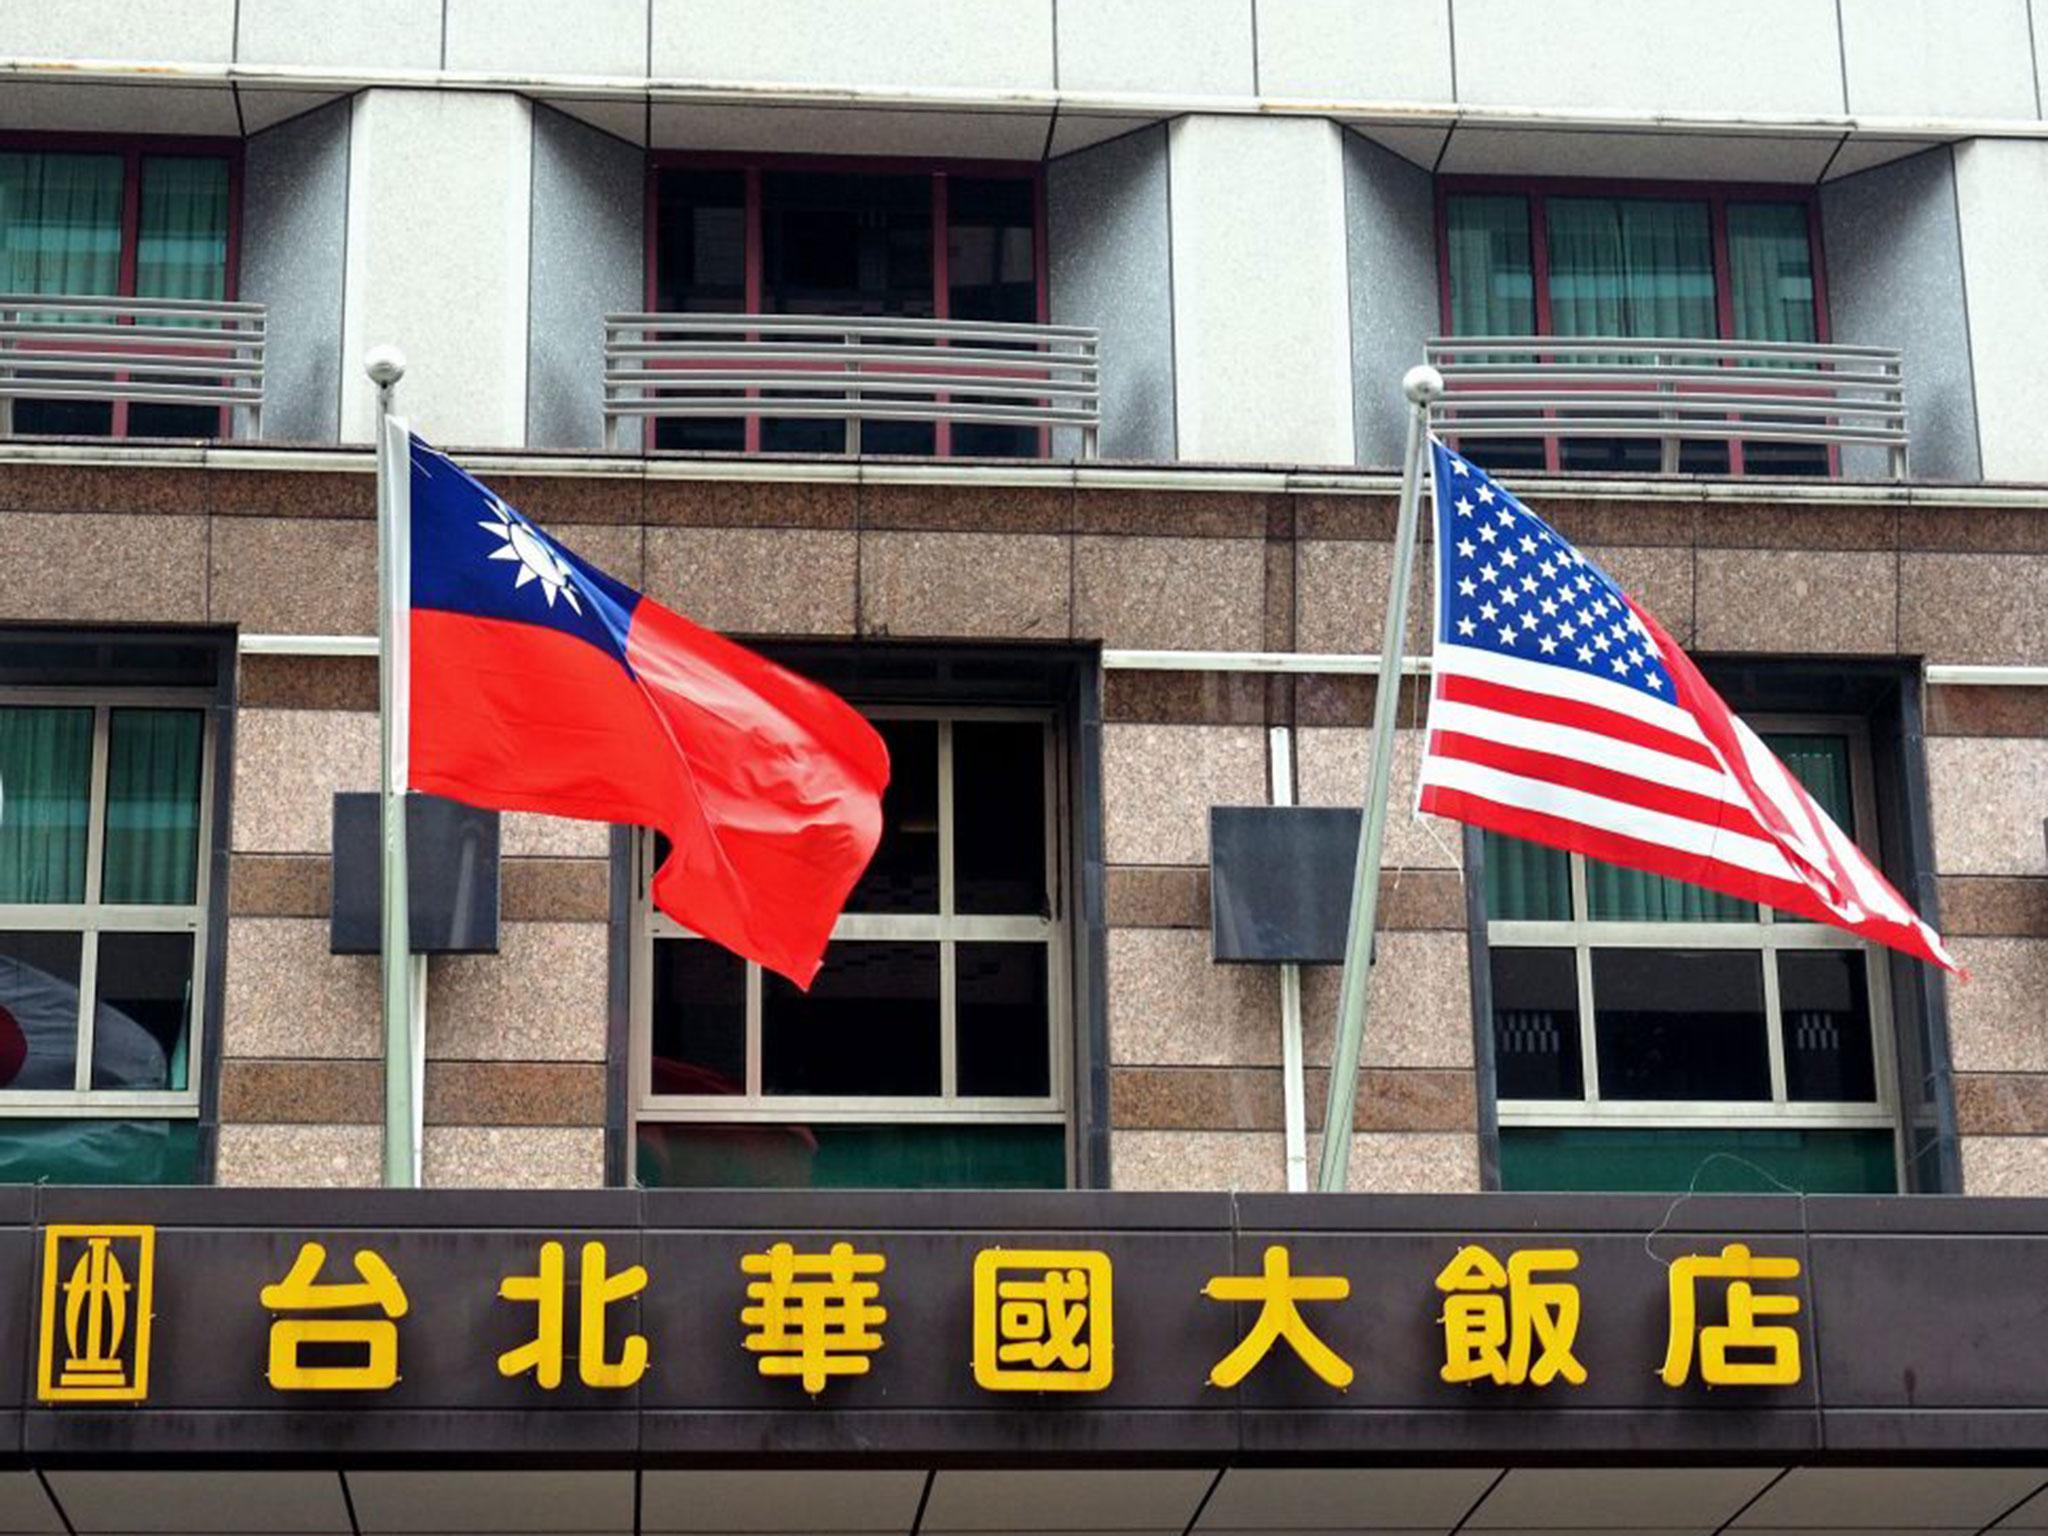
(60, 223)
(45, 803)
(1630, 267)
(1493, 289)
(152, 838)
(181, 248)
(1531, 883)
(1770, 271)
(1526, 882)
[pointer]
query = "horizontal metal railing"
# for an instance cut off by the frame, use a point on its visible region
(147, 351)
(850, 368)
(1671, 389)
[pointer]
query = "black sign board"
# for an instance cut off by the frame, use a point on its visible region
(624, 1326)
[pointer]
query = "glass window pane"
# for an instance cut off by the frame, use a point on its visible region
(1526, 881)
(1709, 1160)
(999, 817)
(181, 248)
(835, 243)
(1493, 291)
(903, 876)
(1536, 1024)
(1630, 267)
(991, 272)
(699, 1019)
(700, 267)
(60, 223)
(1825, 999)
(100, 1152)
(45, 803)
(152, 835)
(1680, 1024)
(39, 1010)
(834, 1156)
(1004, 1049)
(868, 1026)
(142, 1016)
(1770, 271)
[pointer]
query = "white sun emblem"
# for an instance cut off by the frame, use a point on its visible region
(536, 561)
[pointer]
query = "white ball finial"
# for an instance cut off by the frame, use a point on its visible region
(1422, 384)
(385, 366)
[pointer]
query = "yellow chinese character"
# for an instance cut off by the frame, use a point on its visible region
(814, 1317)
(1277, 1291)
(104, 1314)
(1488, 1336)
(543, 1356)
(1742, 1330)
(1041, 1320)
(301, 1291)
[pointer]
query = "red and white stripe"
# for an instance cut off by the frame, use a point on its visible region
(1676, 787)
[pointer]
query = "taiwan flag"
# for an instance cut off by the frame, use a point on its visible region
(541, 684)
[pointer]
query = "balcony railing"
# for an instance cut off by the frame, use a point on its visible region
(66, 347)
(850, 368)
(1671, 390)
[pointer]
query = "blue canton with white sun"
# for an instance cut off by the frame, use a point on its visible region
(1509, 584)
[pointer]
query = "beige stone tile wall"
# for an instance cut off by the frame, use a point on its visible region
(515, 1088)
(1987, 771)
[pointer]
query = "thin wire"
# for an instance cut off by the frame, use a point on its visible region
(1692, 1189)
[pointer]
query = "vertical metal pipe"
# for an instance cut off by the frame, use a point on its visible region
(1421, 385)
(386, 366)
(1293, 1073)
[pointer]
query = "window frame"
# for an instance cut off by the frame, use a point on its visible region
(91, 917)
(1717, 195)
(944, 927)
(133, 150)
(754, 166)
(1767, 937)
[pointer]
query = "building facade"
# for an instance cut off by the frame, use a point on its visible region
(1081, 623)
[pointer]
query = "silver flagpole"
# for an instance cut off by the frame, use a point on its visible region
(1421, 385)
(386, 366)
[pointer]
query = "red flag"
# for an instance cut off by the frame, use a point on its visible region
(541, 684)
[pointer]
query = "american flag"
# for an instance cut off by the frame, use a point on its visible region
(1562, 713)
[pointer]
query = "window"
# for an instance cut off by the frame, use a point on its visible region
(1642, 1026)
(931, 1049)
(818, 238)
(106, 806)
(142, 221)
(1728, 264)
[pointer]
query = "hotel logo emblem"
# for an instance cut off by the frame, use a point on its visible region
(94, 1334)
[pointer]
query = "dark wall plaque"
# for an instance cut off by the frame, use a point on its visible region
(1280, 882)
(452, 865)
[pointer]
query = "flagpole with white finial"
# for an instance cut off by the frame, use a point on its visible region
(401, 973)
(1421, 385)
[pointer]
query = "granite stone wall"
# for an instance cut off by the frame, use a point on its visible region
(517, 1044)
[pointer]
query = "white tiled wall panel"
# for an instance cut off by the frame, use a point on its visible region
(1915, 58)
(990, 44)
(362, 34)
(1261, 306)
(163, 31)
(591, 37)
(439, 207)
(1733, 56)
(2002, 208)
(1125, 47)
(1393, 50)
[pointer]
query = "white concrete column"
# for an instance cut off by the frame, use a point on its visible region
(439, 225)
(2002, 219)
(1261, 314)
